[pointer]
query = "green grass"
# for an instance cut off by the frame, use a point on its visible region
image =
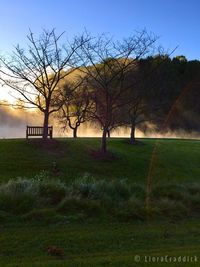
(177, 160)
(98, 241)
(99, 244)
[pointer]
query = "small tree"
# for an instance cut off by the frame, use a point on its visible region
(138, 109)
(36, 73)
(76, 106)
(148, 93)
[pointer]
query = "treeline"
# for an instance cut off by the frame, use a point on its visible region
(178, 81)
(105, 82)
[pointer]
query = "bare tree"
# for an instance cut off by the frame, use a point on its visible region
(138, 109)
(146, 94)
(35, 74)
(76, 107)
(107, 64)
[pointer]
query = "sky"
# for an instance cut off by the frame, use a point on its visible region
(175, 22)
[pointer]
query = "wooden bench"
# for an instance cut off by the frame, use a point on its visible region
(38, 131)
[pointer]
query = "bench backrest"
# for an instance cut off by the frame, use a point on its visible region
(38, 131)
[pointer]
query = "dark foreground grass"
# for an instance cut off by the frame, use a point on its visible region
(100, 244)
(175, 160)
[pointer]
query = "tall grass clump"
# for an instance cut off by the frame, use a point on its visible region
(173, 191)
(21, 195)
(88, 187)
(112, 196)
(138, 190)
(82, 187)
(89, 197)
(50, 192)
(18, 196)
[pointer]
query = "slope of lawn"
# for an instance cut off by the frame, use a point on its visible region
(177, 160)
(99, 244)
(97, 241)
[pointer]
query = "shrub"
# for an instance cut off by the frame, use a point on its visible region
(18, 196)
(88, 188)
(22, 195)
(89, 197)
(120, 189)
(42, 175)
(51, 192)
(74, 205)
(170, 191)
(138, 191)
(18, 186)
(82, 187)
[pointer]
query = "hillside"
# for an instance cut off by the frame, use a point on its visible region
(31, 223)
(177, 160)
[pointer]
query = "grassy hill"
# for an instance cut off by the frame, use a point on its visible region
(174, 160)
(97, 241)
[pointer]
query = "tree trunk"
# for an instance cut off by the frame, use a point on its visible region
(103, 142)
(108, 133)
(132, 136)
(45, 126)
(75, 132)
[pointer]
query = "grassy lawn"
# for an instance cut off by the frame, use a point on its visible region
(174, 160)
(99, 244)
(92, 241)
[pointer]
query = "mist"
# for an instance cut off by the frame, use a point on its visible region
(13, 124)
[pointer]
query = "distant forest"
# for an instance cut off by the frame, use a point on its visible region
(175, 99)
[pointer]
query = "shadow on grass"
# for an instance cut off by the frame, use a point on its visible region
(109, 156)
(135, 143)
